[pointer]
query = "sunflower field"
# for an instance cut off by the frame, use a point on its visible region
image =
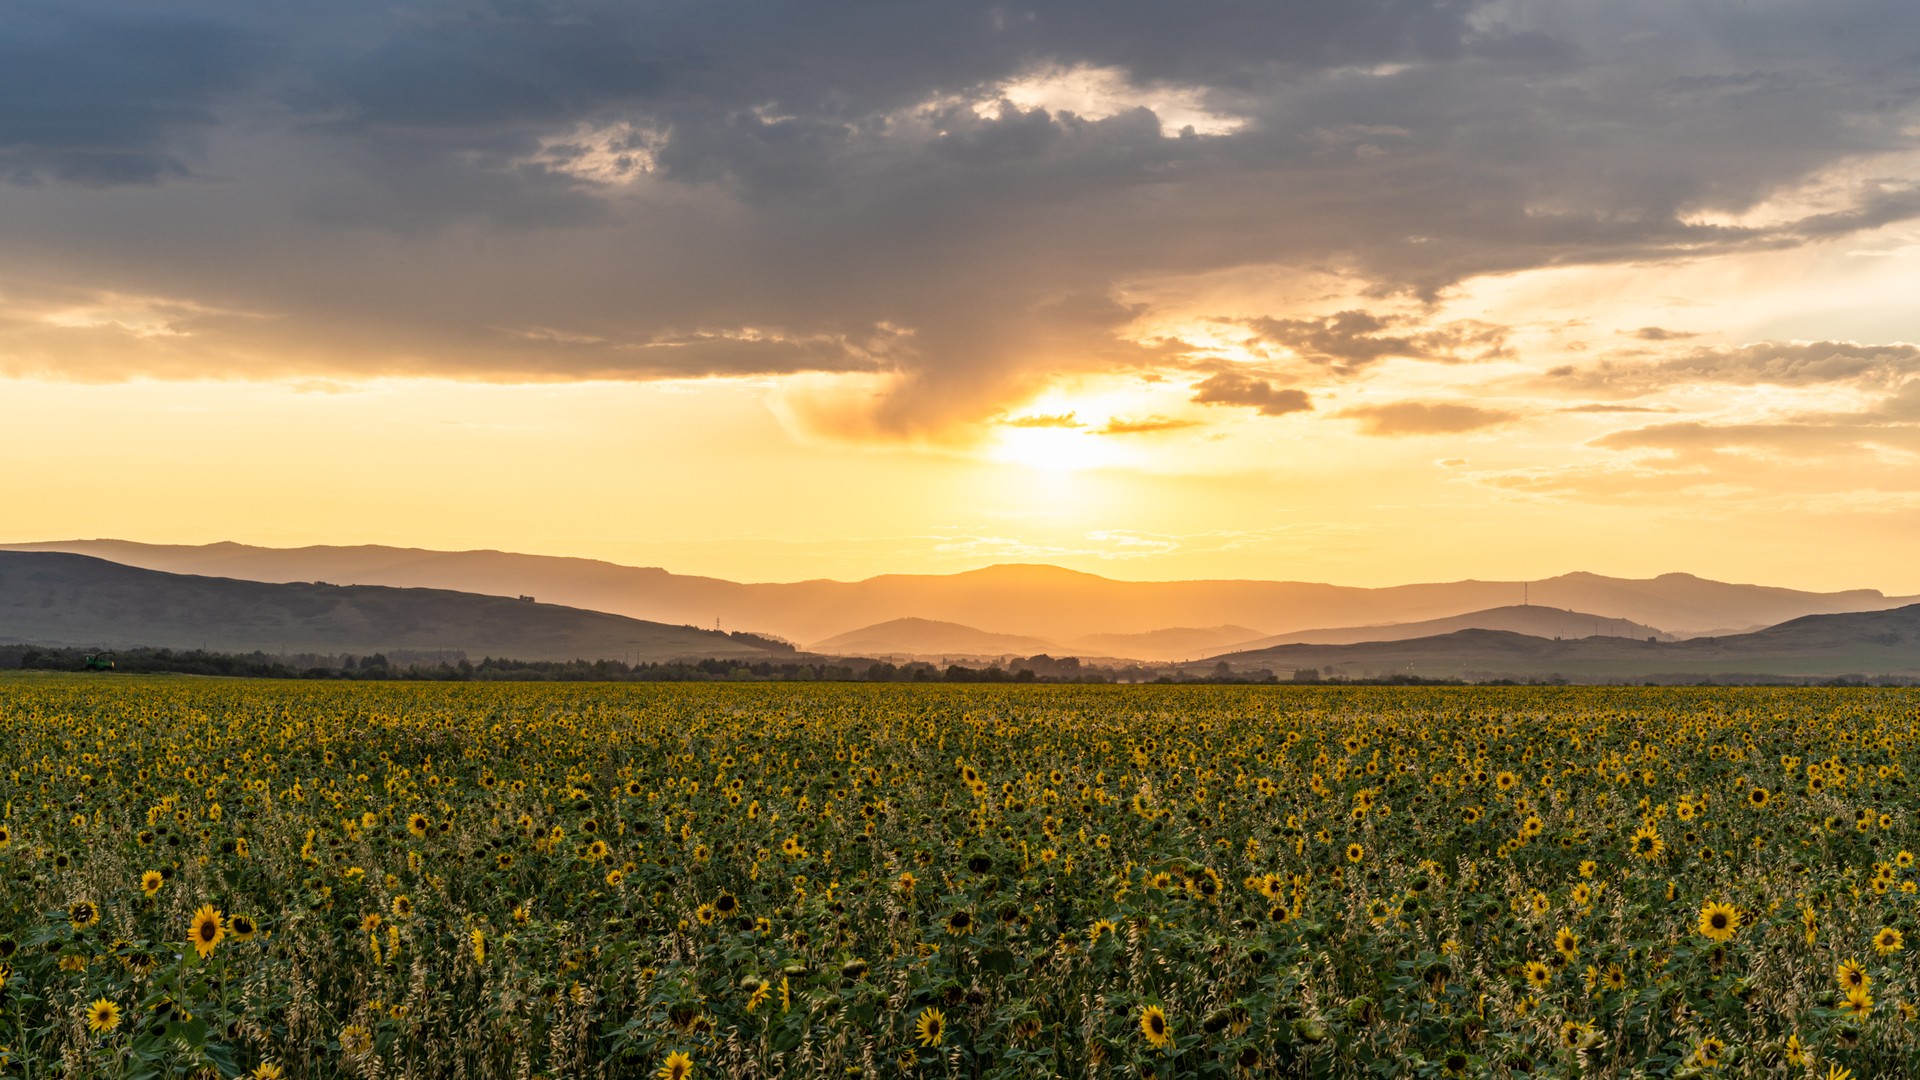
(229, 877)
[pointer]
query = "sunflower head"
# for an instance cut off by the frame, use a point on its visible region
(1155, 1028)
(206, 930)
(931, 1027)
(103, 1015)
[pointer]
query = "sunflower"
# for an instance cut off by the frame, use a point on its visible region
(1707, 1054)
(1851, 976)
(1758, 797)
(151, 881)
(1718, 921)
(206, 930)
(266, 1070)
(356, 1041)
(83, 913)
(1538, 974)
(242, 927)
(931, 1027)
(1566, 943)
(417, 825)
(1154, 1026)
(102, 1016)
(960, 924)
(1355, 853)
(726, 904)
(678, 1066)
(1888, 941)
(1574, 1035)
(1859, 1004)
(402, 906)
(1646, 843)
(479, 939)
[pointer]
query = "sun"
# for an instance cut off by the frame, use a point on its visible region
(1053, 449)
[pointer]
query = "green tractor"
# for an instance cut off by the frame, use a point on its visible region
(99, 661)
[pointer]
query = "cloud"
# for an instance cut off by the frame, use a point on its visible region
(1060, 420)
(954, 199)
(1773, 363)
(1143, 425)
(1421, 418)
(1353, 339)
(109, 95)
(1655, 333)
(1232, 388)
(1603, 407)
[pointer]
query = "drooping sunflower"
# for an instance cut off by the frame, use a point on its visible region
(1156, 1029)
(479, 939)
(678, 1066)
(206, 930)
(960, 924)
(83, 913)
(1718, 921)
(1851, 976)
(931, 1027)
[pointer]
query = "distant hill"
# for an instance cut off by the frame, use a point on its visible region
(49, 598)
(1173, 643)
(924, 638)
(1532, 620)
(1045, 602)
(1857, 643)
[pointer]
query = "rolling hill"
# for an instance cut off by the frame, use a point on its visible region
(1045, 602)
(928, 639)
(1532, 620)
(49, 598)
(1820, 646)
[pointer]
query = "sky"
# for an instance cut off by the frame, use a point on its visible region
(1364, 291)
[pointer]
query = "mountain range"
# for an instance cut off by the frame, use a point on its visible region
(58, 598)
(51, 598)
(1862, 643)
(1072, 610)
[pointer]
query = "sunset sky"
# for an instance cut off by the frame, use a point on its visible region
(1365, 291)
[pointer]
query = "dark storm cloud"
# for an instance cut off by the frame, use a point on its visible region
(682, 188)
(111, 94)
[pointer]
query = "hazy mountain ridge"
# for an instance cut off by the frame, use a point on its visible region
(1532, 620)
(918, 638)
(1852, 643)
(1044, 602)
(49, 598)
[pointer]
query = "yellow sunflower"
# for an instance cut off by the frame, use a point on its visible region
(206, 930)
(1154, 1026)
(151, 881)
(1718, 921)
(102, 1016)
(678, 1066)
(1888, 941)
(931, 1027)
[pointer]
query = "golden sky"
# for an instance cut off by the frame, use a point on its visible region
(1448, 289)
